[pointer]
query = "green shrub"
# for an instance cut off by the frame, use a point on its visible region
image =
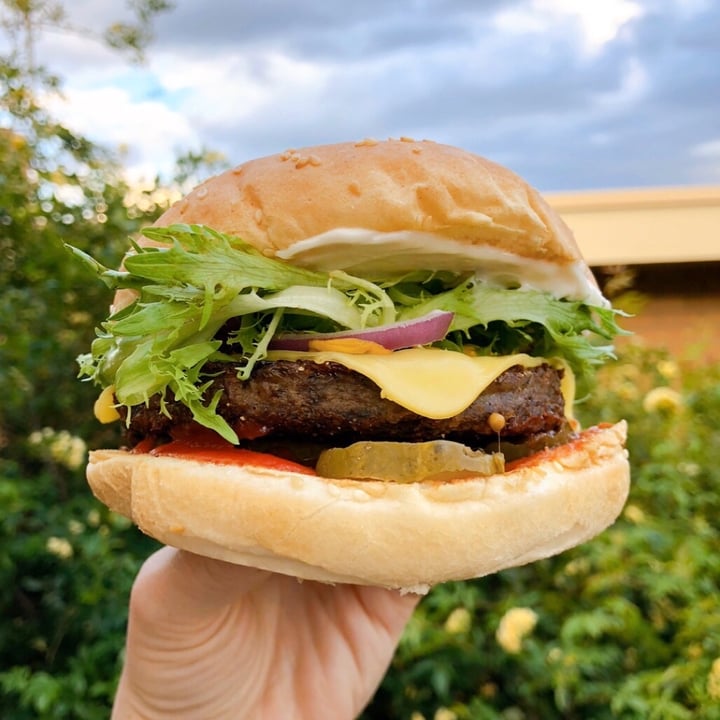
(65, 572)
(66, 564)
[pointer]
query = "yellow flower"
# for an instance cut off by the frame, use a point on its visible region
(628, 372)
(634, 514)
(63, 447)
(79, 317)
(662, 399)
(690, 469)
(40, 436)
(75, 527)
(59, 547)
(668, 369)
(444, 714)
(68, 450)
(458, 621)
(417, 716)
(578, 566)
(713, 681)
(628, 391)
(513, 627)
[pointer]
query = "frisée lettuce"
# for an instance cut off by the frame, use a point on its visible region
(209, 297)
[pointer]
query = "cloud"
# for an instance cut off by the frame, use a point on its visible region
(319, 29)
(148, 134)
(571, 94)
(593, 25)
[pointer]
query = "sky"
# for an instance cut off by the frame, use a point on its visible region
(571, 94)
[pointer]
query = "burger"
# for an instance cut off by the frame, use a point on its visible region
(357, 363)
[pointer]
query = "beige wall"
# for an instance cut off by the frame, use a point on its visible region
(654, 227)
(644, 226)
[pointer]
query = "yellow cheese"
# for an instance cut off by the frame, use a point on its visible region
(354, 346)
(104, 408)
(567, 387)
(432, 382)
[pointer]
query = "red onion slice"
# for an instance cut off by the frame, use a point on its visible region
(403, 334)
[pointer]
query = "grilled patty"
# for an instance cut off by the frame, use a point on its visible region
(329, 403)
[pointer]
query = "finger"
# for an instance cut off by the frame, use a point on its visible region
(178, 586)
(390, 607)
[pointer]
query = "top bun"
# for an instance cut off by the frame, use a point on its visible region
(371, 208)
(385, 186)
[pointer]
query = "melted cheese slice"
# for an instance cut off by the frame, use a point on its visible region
(105, 409)
(432, 382)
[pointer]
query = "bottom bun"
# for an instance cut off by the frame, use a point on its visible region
(406, 536)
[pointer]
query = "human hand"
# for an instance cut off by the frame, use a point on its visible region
(212, 640)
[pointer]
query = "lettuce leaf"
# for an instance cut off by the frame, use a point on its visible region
(499, 321)
(205, 296)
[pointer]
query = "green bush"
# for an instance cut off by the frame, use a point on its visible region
(65, 573)
(66, 564)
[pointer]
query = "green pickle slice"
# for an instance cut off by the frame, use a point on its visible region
(408, 462)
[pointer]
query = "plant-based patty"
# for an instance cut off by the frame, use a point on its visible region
(332, 404)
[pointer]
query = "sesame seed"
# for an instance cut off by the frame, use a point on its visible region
(367, 142)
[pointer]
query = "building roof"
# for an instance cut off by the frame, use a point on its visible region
(643, 226)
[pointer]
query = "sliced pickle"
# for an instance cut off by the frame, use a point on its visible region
(516, 451)
(405, 462)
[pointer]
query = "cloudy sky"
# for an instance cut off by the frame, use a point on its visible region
(572, 94)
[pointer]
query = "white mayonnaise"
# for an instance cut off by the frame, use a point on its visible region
(360, 251)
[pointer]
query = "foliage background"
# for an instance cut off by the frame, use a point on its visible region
(627, 626)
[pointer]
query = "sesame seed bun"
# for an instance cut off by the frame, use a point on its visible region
(372, 207)
(277, 201)
(396, 204)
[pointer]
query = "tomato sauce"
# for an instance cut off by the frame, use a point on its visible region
(557, 452)
(203, 445)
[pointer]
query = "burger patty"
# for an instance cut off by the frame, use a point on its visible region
(328, 402)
